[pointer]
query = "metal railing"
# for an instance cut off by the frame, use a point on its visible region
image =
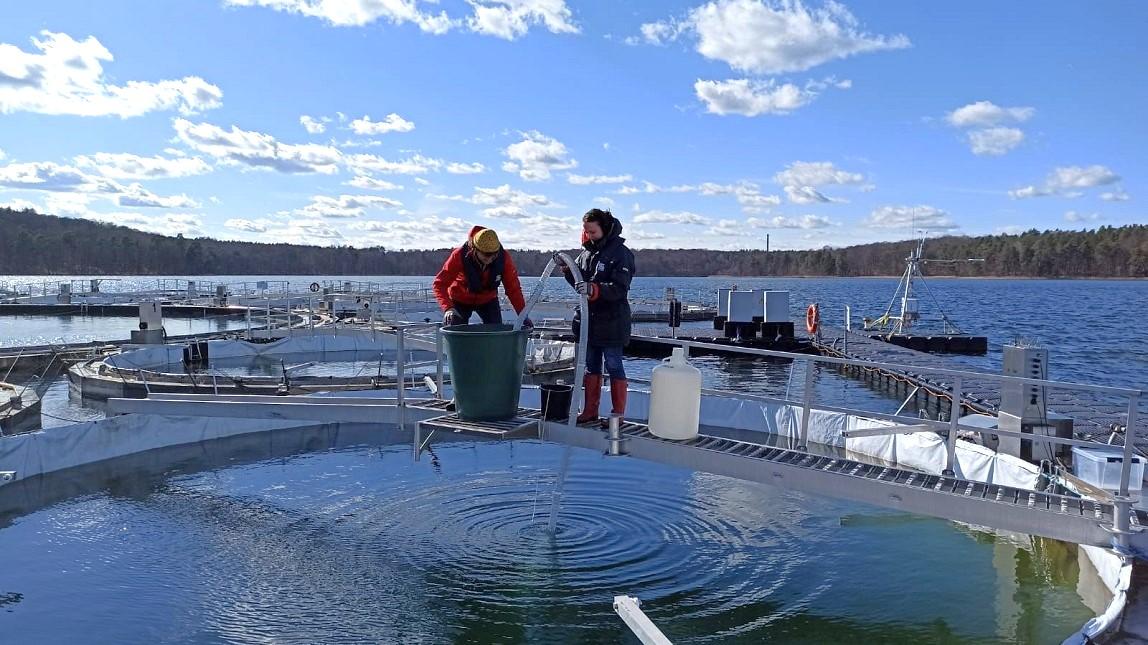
(950, 428)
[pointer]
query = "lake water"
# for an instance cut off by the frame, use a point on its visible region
(358, 543)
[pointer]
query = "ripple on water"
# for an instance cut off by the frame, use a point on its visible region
(365, 545)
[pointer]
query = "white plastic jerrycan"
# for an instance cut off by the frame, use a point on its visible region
(675, 398)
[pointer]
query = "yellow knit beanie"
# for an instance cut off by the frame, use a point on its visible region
(486, 241)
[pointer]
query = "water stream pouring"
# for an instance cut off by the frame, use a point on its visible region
(579, 371)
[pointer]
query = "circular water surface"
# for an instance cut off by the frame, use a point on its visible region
(365, 545)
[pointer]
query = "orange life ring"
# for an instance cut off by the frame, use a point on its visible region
(812, 318)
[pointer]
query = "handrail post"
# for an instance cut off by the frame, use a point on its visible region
(438, 359)
(1129, 429)
(803, 442)
(400, 373)
(954, 418)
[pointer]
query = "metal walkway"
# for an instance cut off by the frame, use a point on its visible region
(1060, 517)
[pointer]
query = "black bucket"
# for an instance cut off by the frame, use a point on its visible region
(556, 401)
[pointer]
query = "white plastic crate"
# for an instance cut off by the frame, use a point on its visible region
(1101, 467)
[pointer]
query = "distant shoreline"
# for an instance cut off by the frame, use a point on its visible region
(84, 276)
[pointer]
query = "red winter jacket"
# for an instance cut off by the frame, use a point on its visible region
(451, 285)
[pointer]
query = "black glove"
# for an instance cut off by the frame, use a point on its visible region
(452, 317)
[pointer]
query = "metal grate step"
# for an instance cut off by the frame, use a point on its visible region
(525, 424)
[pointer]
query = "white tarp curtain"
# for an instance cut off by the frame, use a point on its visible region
(925, 451)
(63, 447)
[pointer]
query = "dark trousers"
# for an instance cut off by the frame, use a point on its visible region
(613, 357)
(490, 312)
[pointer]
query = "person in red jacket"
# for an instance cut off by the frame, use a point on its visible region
(468, 281)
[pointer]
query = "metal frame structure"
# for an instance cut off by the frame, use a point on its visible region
(945, 496)
(904, 322)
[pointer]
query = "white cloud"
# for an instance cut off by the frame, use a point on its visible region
(990, 136)
(356, 13)
(1117, 195)
(639, 235)
(392, 123)
(428, 232)
(752, 98)
(344, 206)
(917, 217)
(137, 196)
(2, 155)
(129, 166)
(167, 224)
(994, 141)
(75, 204)
(312, 125)
(986, 114)
(248, 226)
(663, 217)
(422, 182)
(801, 179)
(1070, 177)
(415, 165)
(808, 195)
(754, 202)
(17, 204)
(1068, 181)
(536, 156)
(48, 176)
(816, 174)
(511, 19)
(371, 183)
(67, 77)
(586, 180)
(803, 222)
(728, 228)
(646, 187)
(503, 202)
(1028, 191)
(770, 37)
(256, 149)
(456, 168)
(1073, 216)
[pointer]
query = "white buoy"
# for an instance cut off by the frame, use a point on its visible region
(675, 398)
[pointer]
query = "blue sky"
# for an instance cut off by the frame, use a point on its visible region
(700, 124)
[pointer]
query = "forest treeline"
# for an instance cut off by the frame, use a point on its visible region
(34, 244)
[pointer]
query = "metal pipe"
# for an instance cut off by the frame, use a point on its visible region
(1129, 428)
(954, 418)
(614, 435)
(806, 407)
(907, 399)
(438, 360)
(401, 374)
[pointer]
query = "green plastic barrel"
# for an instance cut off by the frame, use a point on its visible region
(485, 369)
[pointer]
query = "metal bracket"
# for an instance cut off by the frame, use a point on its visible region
(7, 475)
(614, 436)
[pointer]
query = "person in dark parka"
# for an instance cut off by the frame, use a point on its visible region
(607, 268)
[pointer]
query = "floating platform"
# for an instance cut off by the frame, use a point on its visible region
(938, 343)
